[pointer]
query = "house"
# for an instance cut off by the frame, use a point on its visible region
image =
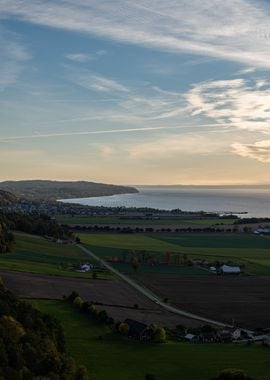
(138, 330)
(260, 231)
(192, 338)
(228, 269)
(233, 332)
(84, 268)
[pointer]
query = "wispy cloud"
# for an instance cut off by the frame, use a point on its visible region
(236, 30)
(13, 54)
(260, 150)
(85, 57)
(94, 81)
(236, 103)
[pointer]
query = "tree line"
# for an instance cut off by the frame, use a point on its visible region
(29, 223)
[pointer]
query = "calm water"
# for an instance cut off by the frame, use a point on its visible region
(254, 200)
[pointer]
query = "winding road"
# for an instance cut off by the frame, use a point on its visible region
(147, 293)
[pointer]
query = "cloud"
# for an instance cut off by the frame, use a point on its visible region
(259, 151)
(237, 103)
(236, 30)
(13, 54)
(94, 81)
(247, 70)
(83, 57)
(79, 57)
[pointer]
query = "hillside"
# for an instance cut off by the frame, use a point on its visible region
(6, 198)
(53, 190)
(32, 344)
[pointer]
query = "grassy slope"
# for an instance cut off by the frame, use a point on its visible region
(116, 358)
(253, 251)
(37, 255)
(77, 219)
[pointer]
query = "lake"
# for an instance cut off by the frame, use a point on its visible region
(254, 200)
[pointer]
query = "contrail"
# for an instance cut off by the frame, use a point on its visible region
(37, 136)
(103, 132)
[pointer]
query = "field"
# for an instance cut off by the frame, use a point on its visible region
(242, 299)
(117, 298)
(249, 250)
(37, 255)
(114, 220)
(115, 358)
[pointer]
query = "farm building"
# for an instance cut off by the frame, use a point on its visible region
(192, 338)
(82, 268)
(138, 330)
(228, 269)
(233, 332)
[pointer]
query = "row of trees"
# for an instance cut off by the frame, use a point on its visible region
(32, 344)
(129, 229)
(89, 308)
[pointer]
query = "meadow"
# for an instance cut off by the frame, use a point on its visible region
(114, 357)
(243, 249)
(35, 254)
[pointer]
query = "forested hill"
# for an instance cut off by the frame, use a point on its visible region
(52, 190)
(6, 198)
(32, 344)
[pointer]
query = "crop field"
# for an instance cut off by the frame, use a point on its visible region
(251, 251)
(244, 299)
(116, 297)
(111, 220)
(127, 359)
(37, 255)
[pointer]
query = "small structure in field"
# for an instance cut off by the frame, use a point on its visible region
(191, 338)
(83, 268)
(262, 231)
(231, 333)
(228, 269)
(138, 330)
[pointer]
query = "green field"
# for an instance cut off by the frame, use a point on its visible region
(37, 255)
(121, 359)
(106, 220)
(251, 251)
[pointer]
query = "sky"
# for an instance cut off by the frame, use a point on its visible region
(145, 92)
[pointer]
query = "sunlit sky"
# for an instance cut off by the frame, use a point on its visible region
(135, 92)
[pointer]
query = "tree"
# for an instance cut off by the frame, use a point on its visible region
(78, 302)
(135, 263)
(232, 374)
(81, 374)
(160, 335)
(123, 328)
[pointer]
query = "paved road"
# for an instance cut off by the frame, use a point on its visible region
(147, 293)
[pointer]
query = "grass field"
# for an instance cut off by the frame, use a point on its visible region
(252, 251)
(119, 359)
(77, 219)
(37, 255)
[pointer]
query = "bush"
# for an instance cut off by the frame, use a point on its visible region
(232, 374)
(160, 335)
(123, 328)
(78, 302)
